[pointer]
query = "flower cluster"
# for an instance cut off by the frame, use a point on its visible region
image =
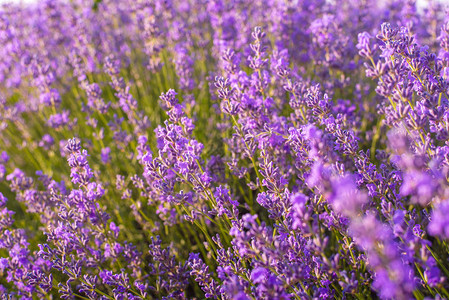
(172, 149)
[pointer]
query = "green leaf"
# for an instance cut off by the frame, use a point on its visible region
(96, 3)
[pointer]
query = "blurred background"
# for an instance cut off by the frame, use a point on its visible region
(421, 3)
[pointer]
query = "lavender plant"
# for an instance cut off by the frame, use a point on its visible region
(168, 149)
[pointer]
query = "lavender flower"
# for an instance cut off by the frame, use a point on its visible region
(225, 150)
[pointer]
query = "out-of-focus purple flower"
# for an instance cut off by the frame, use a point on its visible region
(58, 121)
(105, 155)
(4, 157)
(258, 275)
(346, 199)
(3, 200)
(46, 142)
(439, 223)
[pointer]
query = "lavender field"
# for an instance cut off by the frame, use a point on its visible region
(219, 149)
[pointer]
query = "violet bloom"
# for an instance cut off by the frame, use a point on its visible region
(58, 121)
(46, 142)
(439, 222)
(4, 157)
(81, 172)
(3, 200)
(105, 155)
(346, 199)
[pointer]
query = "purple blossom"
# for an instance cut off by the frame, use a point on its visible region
(105, 154)
(439, 226)
(226, 150)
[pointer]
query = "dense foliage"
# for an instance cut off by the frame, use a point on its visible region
(173, 149)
